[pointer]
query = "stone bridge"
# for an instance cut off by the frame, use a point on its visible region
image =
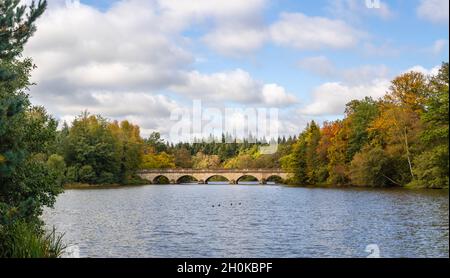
(204, 175)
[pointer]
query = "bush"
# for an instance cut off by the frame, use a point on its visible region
(372, 167)
(431, 169)
(87, 174)
(136, 180)
(24, 240)
(58, 166)
(106, 178)
(72, 174)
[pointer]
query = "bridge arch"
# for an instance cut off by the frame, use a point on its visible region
(161, 179)
(187, 179)
(205, 175)
(275, 179)
(217, 176)
(247, 178)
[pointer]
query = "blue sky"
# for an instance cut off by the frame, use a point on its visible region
(307, 58)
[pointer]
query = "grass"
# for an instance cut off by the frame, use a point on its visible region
(23, 240)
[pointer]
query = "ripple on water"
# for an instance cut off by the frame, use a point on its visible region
(272, 221)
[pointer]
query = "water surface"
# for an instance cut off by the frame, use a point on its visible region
(252, 221)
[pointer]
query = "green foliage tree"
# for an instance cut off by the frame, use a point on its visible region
(432, 165)
(359, 115)
(101, 152)
(58, 166)
(27, 183)
(372, 167)
(295, 162)
(129, 148)
(17, 26)
(90, 143)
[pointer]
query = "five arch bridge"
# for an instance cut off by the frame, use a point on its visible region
(202, 176)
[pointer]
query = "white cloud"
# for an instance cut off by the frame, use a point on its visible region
(275, 95)
(228, 22)
(232, 86)
(364, 74)
(234, 40)
(242, 35)
(120, 61)
(435, 11)
(236, 85)
(418, 68)
(187, 11)
(82, 45)
(330, 98)
(150, 112)
(323, 67)
(356, 10)
(311, 33)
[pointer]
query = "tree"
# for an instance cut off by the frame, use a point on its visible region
(25, 185)
(58, 167)
(359, 115)
(432, 165)
(204, 161)
(398, 125)
(295, 162)
(17, 26)
(312, 161)
(337, 155)
(153, 160)
(372, 167)
(27, 182)
(90, 142)
(129, 148)
(327, 133)
(155, 141)
(183, 158)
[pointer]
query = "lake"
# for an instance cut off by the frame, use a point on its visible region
(252, 221)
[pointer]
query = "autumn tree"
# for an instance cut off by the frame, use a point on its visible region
(204, 161)
(183, 158)
(398, 125)
(337, 155)
(129, 146)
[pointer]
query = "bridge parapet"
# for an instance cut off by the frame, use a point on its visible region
(203, 175)
(212, 170)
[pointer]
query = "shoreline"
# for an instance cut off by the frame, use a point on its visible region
(98, 186)
(113, 186)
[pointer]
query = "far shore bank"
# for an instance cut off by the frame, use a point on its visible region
(98, 186)
(111, 186)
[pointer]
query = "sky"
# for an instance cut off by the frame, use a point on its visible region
(142, 60)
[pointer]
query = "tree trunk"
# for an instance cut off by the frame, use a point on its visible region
(407, 152)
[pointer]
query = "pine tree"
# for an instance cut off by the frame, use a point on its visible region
(17, 24)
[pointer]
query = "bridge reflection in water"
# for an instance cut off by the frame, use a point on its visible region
(202, 176)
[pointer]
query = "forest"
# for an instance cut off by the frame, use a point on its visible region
(398, 140)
